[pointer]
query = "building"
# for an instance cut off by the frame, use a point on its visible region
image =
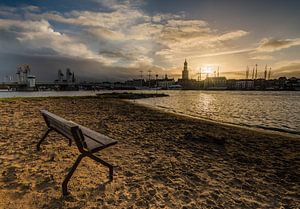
(31, 81)
(185, 82)
(135, 83)
(293, 83)
(166, 82)
(215, 83)
(22, 73)
(69, 75)
(244, 84)
(60, 76)
(26, 81)
(185, 72)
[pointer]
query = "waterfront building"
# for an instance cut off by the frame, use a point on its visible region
(31, 81)
(185, 82)
(185, 72)
(68, 75)
(22, 73)
(293, 83)
(135, 83)
(244, 84)
(60, 76)
(215, 83)
(260, 84)
(26, 81)
(166, 82)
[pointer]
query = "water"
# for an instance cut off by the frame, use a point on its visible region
(277, 111)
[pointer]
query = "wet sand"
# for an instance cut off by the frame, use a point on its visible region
(156, 165)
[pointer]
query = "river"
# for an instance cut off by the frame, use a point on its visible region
(271, 110)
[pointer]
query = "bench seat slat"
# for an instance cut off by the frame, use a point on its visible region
(60, 124)
(94, 139)
(49, 114)
(61, 128)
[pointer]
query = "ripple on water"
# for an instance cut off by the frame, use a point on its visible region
(277, 111)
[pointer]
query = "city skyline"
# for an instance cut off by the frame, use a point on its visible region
(115, 40)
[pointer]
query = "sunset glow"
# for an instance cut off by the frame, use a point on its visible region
(207, 69)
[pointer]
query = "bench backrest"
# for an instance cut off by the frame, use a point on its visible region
(67, 128)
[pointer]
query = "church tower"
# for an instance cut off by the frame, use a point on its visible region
(185, 72)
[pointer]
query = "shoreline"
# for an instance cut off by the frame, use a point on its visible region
(247, 127)
(272, 131)
(156, 164)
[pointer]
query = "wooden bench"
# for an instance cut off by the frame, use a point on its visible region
(87, 141)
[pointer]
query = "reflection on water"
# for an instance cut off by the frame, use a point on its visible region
(278, 111)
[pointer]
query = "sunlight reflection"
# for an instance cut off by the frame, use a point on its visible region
(206, 102)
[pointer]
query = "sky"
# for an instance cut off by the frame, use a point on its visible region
(114, 40)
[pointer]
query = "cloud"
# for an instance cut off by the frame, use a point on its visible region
(168, 34)
(31, 8)
(292, 67)
(38, 35)
(120, 17)
(186, 23)
(240, 51)
(272, 44)
(119, 35)
(189, 34)
(232, 35)
(287, 68)
(262, 57)
(104, 33)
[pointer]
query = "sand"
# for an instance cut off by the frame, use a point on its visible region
(156, 166)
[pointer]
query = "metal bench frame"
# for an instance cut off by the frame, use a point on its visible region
(79, 141)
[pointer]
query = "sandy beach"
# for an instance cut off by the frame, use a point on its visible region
(156, 165)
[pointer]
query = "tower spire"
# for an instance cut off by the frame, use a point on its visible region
(269, 73)
(255, 71)
(247, 72)
(185, 72)
(265, 73)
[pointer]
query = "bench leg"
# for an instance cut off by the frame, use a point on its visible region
(69, 175)
(105, 164)
(38, 146)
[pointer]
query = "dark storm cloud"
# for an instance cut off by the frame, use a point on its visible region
(46, 67)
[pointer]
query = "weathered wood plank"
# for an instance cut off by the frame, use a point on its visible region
(92, 139)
